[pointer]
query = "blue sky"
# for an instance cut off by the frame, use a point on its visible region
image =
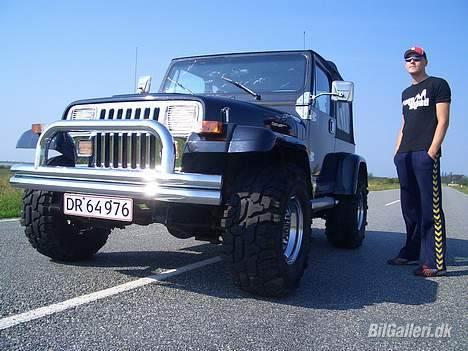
(54, 52)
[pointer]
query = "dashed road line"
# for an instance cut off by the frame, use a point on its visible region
(11, 321)
(393, 202)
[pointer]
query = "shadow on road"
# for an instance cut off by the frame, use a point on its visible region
(335, 280)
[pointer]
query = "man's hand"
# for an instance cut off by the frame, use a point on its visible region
(432, 154)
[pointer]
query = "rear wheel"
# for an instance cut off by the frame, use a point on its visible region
(346, 223)
(55, 236)
(266, 225)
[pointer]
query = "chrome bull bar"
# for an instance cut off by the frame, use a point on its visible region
(162, 183)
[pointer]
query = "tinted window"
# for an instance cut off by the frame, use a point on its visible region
(322, 85)
(343, 116)
(260, 73)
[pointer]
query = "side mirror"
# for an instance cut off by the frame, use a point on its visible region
(144, 85)
(342, 91)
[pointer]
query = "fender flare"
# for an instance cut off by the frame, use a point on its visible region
(27, 140)
(260, 139)
(342, 169)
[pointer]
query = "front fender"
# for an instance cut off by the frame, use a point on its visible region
(251, 139)
(28, 140)
(341, 170)
(258, 139)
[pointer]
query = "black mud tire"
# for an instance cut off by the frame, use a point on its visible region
(344, 228)
(52, 234)
(254, 223)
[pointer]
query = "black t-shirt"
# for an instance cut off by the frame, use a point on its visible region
(419, 112)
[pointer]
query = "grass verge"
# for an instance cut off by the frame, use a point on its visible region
(376, 184)
(10, 198)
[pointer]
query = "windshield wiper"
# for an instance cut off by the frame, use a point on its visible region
(180, 85)
(243, 87)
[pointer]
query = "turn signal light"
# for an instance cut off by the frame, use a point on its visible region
(38, 128)
(210, 127)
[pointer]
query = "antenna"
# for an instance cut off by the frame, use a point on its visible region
(303, 95)
(136, 65)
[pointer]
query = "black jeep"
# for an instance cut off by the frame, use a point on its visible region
(243, 149)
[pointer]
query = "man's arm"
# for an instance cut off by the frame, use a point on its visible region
(400, 135)
(443, 112)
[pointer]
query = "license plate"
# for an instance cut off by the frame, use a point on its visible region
(113, 208)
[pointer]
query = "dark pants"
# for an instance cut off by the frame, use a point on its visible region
(421, 205)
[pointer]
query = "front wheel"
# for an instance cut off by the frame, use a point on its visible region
(346, 223)
(266, 225)
(55, 236)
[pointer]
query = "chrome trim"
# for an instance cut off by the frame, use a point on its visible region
(322, 203)
(102, 126)
(162, 183)
(148, 151)
(138, 150)
(95, 150)
(111, 150)
(120, 150)
(151, 185)
(293, 230)
(129, 150)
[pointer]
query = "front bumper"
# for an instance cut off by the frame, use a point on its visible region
(176, 187)
(162, 184)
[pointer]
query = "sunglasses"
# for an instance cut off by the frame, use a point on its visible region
(414, 58)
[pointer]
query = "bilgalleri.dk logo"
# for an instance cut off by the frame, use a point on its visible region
(409, 330)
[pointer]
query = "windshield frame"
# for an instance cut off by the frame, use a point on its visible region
(305, 86)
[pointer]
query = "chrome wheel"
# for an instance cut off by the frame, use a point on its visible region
(293, 230)
(360, 211)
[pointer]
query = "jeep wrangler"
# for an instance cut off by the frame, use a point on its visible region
(242, 149)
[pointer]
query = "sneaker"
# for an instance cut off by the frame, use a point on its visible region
(400, 261)
(425, 271)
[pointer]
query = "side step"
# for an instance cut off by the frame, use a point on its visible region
(323, 203)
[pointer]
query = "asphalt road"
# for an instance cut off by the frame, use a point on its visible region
(341, 295)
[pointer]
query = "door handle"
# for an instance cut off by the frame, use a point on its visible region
(332, 126)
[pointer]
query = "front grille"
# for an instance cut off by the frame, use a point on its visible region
(127, 150)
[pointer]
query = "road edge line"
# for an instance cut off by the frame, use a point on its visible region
(40, 312)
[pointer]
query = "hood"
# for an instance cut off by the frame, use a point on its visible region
(240, 112)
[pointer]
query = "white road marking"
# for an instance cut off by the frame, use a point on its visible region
(11, 321)
(393, 202)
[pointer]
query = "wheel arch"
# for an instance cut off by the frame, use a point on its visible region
(342, 170)
(282, 152)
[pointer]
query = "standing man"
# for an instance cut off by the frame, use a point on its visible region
(426, 106)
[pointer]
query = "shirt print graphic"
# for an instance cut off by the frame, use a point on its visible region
(417, 101)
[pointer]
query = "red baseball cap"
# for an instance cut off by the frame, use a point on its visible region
(415, 51)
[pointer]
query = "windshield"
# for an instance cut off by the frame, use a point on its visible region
(273, 73)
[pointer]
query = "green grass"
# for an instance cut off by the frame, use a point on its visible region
(10, 198)
(376, 184)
